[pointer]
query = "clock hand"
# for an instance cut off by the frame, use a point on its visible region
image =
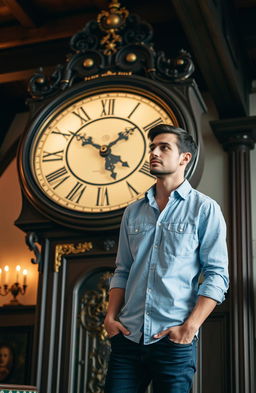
(110, 161)
(122, 135)
(85, 141)
(88, 141)
(105, 150)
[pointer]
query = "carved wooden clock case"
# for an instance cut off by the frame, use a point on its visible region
(82, 160)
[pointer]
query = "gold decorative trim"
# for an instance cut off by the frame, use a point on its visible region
(110, 22)
(67, 249)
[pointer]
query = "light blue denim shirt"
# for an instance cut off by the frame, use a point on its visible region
(161, 256)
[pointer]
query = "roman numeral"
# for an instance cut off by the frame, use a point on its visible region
(132, 190)
(83, 116)
(153, 124)
(134, 109)
(108, 107)
(145, 169)
(55, 156)
(102, 196)
(77, 191)
(57, 177)
(65, 134)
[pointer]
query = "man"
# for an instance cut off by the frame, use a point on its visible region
(167, 241)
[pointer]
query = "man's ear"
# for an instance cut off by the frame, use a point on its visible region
(186, 157)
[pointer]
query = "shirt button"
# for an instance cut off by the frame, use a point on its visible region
(159, 224)
(180, 229)
(136, 230)
(147, 312)
(155, 245)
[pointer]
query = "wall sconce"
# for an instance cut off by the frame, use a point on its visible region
(16, 288)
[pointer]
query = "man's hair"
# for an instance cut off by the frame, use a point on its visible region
(185, 142)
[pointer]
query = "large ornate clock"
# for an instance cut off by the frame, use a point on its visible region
(85, 154)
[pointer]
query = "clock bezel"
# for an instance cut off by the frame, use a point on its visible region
(169, 100)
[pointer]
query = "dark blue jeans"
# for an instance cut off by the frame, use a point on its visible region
(133, 366)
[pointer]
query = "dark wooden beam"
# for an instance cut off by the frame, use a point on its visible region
(23, 14)
(217, 55)
(24, 58)
(16, 76)
(16, 36)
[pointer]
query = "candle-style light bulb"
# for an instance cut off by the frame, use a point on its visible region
(6, 275)
(25, 273)
(17, 273)
(0, 276)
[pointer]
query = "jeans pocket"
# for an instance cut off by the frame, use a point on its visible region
(112, 338)
(177, 344)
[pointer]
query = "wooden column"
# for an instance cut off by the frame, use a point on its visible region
(238, 137)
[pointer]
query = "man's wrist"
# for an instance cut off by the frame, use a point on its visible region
(191, 326)
(110, 317)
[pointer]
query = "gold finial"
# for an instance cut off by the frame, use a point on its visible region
(88, 63)
(109, 22)
(40, 80)
(131, 57)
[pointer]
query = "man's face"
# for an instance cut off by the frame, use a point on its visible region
(164, 157)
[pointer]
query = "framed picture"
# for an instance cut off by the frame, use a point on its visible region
(15, 354)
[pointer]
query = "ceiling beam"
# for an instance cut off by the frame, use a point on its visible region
(16, 63)
(23, 75)
(16, 36)
(214, 49)
(24, 15)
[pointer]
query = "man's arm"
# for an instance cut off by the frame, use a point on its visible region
(118, 282)
(116, 300)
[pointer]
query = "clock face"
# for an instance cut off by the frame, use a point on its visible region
(90, 155)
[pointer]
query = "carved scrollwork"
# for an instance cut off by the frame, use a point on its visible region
(93, 309)
(41, 85)
(84, 65)
(87, 39)
(31, 240)
(135, 58)
(67, 249)
(116, 42)
(137, 31)
(177, 69)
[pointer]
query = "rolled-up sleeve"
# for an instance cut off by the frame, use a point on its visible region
(124, 257)
(213, 253)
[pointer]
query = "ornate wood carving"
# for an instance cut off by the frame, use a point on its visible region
(31, 240)
(93, 309)
(116, 42)
(67, 249)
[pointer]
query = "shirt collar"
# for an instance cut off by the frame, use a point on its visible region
(183, 190)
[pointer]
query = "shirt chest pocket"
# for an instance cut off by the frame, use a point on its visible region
(136, 234)
(180, 238)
